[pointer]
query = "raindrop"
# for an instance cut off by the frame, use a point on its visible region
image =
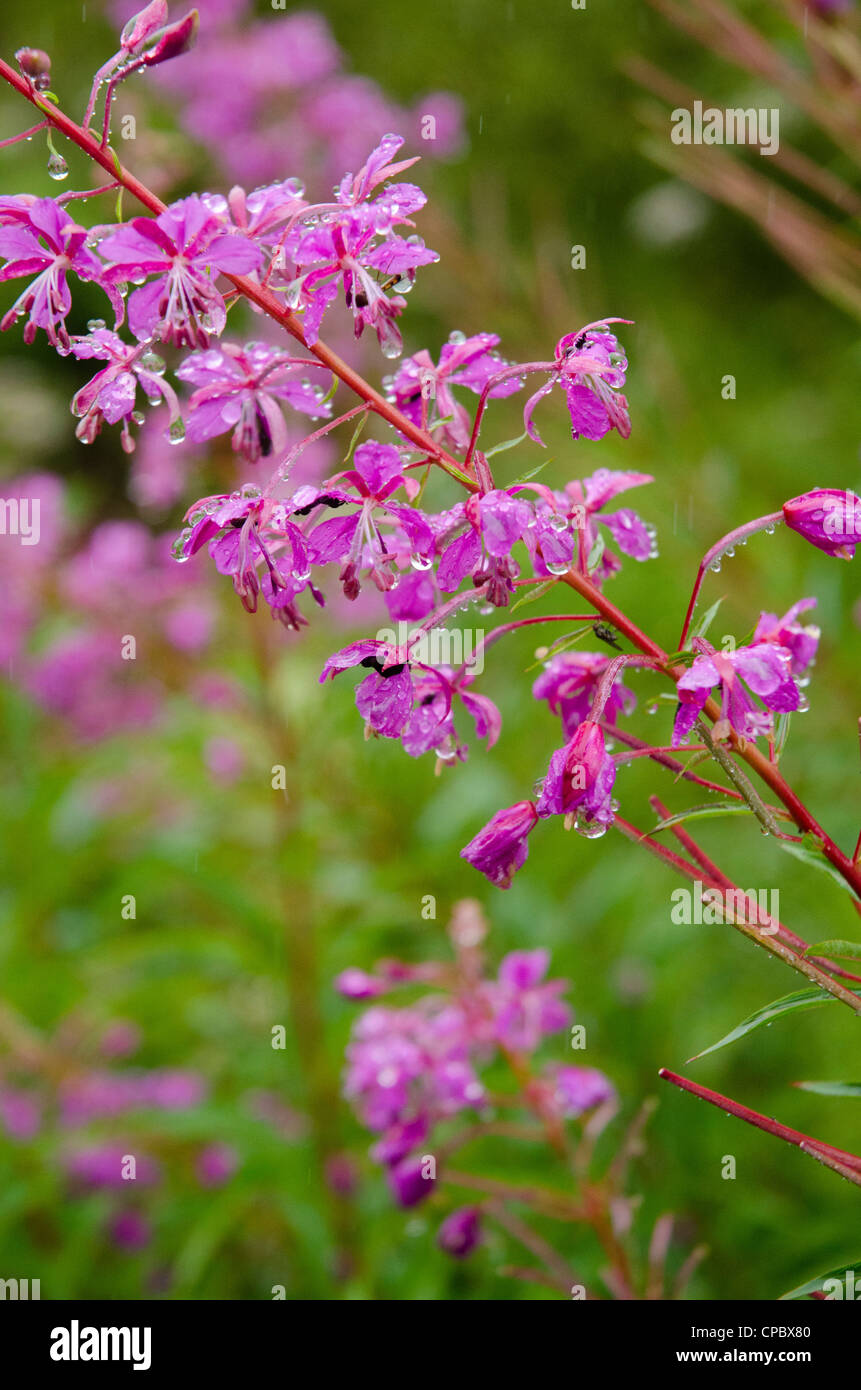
(151, 362)
(421, 562)
(176, 433)
(95, 325)
(591, 830)
(558, 566)
(715, 565)
(57, 167)
(137, 417)
(455, 336)
(391, 349)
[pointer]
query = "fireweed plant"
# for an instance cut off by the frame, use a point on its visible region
(172, 280)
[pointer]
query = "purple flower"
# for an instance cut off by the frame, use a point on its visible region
(358, 984)
(569, 683)
(216, 1164)
(355, 540)
(590, 368)
(243, 530)
(260, 213)
(408, 1065)
(111, 394)
(104, 1165)
(239, 389)
(460, 1233)
(182, 247)
(409, 1183)
(423, 391)
(587, 500)
(764, 668)
(385, 697)
(522, 1005)
(828, 518)
(500, 848)
(800, 642)
(579, 781)
(400, 1139)
(577, 1089)
(351, 248)
(431, 724)
(38, 237)
(130, 1231)
(496, 521)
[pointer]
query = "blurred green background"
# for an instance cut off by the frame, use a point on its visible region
(243, 907)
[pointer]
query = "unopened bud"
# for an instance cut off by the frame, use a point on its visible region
(173, 40)
(35, 64)
(144, 24)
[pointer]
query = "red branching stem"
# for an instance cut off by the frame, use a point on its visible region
(720, 547)
(665, 759)
(849, 1165)
(265, 300)
(748, 751)
(25, 134)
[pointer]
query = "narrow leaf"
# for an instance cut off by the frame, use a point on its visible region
(815, 858)
(532, 594)
(835, 950)
(831, 1088)
(800, 999)
(816, 1285)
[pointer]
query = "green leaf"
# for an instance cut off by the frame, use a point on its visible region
(511, 444)
(832, 1088)
(801, 999)
(815, 1285)
(709, 809)
(836, 950)
(595, 553)
(532, 594)
(810, 853)
(708, 618)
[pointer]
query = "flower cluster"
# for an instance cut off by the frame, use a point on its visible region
(371, 527)
(414, 1069)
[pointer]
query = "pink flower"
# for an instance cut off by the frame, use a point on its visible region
(431, 723)
(37, 236)
(579, 781)
(523, 1007)
(764, 668)
(181, 247)
(216, 1164)
(130, 1231)
(385, 697)
(358, 984)
(111, 394)
(569, 683)
(800, 642)
(460, 1233)
(590, 368)
(355, 246)
(500, 848)
(828, 518)
(422, 389)
(355, 541)
(239, 388)
(497, 520)
(408, 1182)
(577, 1089)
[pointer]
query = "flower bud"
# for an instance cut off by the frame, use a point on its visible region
(144, 24)
(173, 40)
(828, 517)
(459, 1233)
(35, 64)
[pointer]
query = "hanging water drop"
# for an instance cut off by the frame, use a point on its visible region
(58, 169)
(176, 433)
(151, 362)
(95, 325)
